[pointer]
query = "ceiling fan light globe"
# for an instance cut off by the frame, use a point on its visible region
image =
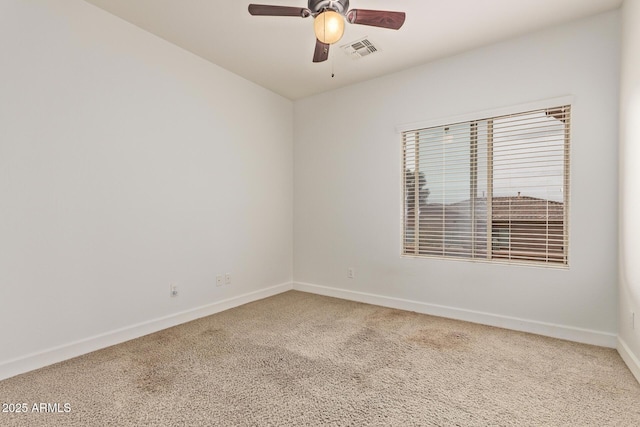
(329, 26)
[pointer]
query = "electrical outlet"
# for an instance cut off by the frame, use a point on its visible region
(351, 273)
(227, 279)
(173, 290)
(219, 281)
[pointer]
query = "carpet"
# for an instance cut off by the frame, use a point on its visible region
(298, 359)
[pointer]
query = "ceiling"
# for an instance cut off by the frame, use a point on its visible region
(276, 52)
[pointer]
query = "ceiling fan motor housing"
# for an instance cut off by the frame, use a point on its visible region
(317, 6)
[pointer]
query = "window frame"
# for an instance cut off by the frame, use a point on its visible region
(476, 117)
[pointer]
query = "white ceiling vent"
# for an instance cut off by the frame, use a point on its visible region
(360, 48)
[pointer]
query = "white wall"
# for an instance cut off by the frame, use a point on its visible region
(347, 185)
(127, 164)
(629, 339)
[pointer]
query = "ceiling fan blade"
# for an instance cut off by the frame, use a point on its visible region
(376, 18)
(269, 10)
(321, 53)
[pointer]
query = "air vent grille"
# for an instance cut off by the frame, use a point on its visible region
(360, 48)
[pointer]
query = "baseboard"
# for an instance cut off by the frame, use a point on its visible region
(568, 333)
(629, 358)
(67, 351)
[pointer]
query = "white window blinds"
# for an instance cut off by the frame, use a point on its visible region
(493, 189)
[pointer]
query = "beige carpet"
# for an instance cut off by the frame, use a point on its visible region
(300, 359)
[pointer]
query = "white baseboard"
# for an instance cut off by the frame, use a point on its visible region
(629, 358)
(67, 351)
(568, 333)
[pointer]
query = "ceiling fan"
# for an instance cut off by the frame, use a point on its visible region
(329, 17)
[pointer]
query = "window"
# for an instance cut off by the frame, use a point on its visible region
(492, 189)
